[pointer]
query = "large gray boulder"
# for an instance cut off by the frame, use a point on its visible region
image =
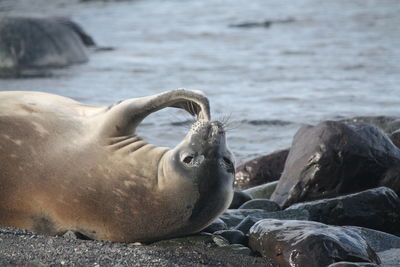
(28, 44)
(333, 159)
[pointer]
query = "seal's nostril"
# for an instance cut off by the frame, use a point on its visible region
(188, 159)
(229, 165)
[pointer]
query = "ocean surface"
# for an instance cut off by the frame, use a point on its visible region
(317, 60)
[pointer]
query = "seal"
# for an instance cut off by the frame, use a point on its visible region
(69, 166)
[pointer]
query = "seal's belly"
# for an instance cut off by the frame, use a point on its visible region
(35, 165)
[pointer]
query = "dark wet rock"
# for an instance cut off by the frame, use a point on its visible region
(377, 208)
(391, 178)
(265, 24)
(261, 170)
(385, 123)
(378, 241)
(233, 236)
(239, 197)
(232, 217)
(262, 191)
(301, 243)
(390, 258)
(333, 158)
(216, 225)
(352, 264)
(395, 138)
(263, 204)
(29, 44)
(245, 225)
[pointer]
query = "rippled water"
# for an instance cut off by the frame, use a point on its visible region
(335, 59)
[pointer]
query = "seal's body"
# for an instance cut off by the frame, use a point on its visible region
(67, 166)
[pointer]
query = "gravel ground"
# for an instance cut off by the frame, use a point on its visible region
(21, 248)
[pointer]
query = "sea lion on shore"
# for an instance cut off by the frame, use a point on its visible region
(68, 166)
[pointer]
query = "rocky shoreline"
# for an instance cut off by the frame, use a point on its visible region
(358, 225)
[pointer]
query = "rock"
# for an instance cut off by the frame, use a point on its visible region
(233, 217)
(29, 44)
(216, 225)
(391, 178)
(395, 138)
(245, 225)
(385, 123)
(233, 236)
(352, 264)
(75, 235)
(262, 191)
(333, 159)
(377, 208)
(312, 244)
(220, 241)
(378, 241)
(265, 24)
(390, 258)
(239, 197)
(86, 39)
(261, 170)
(263, 204)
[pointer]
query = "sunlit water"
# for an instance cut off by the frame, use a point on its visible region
(336, 59)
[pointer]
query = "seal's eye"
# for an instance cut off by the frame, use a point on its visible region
(188, 159)
(228, 165)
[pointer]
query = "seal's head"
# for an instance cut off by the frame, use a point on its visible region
(204, 158)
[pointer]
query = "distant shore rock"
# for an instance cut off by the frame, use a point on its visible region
(262, 24)
(30, 45)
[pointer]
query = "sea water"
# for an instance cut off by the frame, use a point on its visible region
(320, 60)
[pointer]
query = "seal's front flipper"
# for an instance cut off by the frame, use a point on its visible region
(123, 118)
